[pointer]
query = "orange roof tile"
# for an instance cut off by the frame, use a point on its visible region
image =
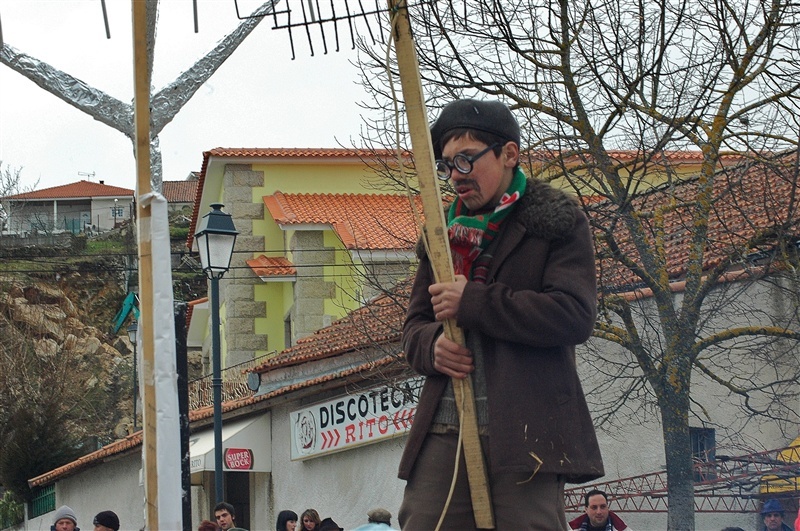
(745, 201)
(129, 443)
(179, 191)
(378, 322)
(76, 190)
(272, 266)
(362, 221)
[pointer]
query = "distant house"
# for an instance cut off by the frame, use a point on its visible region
(180, 194)
(76, 207)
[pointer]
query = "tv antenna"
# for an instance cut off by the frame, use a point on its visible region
(86, 174)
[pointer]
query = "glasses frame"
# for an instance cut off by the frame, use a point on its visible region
(461, 162)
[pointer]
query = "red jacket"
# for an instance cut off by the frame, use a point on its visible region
(616, 522)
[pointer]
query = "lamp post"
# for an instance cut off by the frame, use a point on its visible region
(115, 213)
(215, 239)
(132, 330)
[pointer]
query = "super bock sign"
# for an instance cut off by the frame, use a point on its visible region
(354, 419)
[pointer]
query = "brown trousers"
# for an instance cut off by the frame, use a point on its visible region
(519, 503)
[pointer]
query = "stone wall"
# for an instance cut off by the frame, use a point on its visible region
(237, 286)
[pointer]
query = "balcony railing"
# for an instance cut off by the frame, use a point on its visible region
(234, 385)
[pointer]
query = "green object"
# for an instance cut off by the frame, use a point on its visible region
(128, 306)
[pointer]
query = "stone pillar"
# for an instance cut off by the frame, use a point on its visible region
(238, 285)
(311, 288)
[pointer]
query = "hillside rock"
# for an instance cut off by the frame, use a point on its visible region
(44, 315)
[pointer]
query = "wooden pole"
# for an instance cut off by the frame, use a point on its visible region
(141, 115)
(438, 247)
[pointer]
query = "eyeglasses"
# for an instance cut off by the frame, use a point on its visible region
(461, 162)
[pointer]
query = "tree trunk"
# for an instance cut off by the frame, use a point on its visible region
(678, 448)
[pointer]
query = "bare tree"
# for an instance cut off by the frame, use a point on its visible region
(610, 95)
(10, 184)
(44, 415)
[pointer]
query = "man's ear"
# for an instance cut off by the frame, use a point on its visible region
(510, 154)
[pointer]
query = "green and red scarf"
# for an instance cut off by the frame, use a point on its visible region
(471, 233)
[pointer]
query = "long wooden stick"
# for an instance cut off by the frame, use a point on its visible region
(141, 114)
(438, 248)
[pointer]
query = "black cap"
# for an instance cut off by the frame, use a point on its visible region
(489, 116)
(107, 519)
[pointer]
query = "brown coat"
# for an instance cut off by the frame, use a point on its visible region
(539, 301)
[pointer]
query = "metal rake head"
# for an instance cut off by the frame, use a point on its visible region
(314, 16)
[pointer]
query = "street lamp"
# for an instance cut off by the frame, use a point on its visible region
(115, 212)
(132, 330)
(215, 239)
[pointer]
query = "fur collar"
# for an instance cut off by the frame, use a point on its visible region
(545, 212)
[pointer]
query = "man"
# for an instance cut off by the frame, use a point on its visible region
(106, 521)
(598, 517)
(772, 514)
(524, 295)
(65, 520)
(225, 515)
(377, 520)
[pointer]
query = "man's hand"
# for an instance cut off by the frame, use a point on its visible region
(446, 297)
(452, 359)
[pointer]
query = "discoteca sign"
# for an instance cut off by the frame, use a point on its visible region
(354, 419)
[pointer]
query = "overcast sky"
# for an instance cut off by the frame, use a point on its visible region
(260, 97)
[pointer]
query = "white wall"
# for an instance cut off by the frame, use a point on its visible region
(343, 486)
(111, 486)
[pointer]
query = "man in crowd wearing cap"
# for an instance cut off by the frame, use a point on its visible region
(106, 521)
(377, 520)
(65, 520)
(772, 514)
(524, 295)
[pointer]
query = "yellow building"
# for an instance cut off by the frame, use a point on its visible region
(317, 238)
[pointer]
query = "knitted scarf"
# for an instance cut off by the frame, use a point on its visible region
(470, 233)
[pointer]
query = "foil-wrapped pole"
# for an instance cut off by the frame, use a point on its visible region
(165, 104)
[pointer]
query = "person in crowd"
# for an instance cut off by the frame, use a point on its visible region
(207, 525)
(797, 521)
(329, 525)
(225, 515)
(597, 516)
(378, 519)
(106, 521)
(65, 520)
(310, 520)
(524, 295)
(772, 514)
(287, 521)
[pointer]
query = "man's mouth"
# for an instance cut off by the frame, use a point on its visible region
(464, 187)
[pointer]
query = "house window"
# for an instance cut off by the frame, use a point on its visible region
(703, 453)
(43, 501)
(117, 212)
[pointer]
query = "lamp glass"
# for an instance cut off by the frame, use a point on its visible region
(215, 251)
(215, 240)
(132, 330)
